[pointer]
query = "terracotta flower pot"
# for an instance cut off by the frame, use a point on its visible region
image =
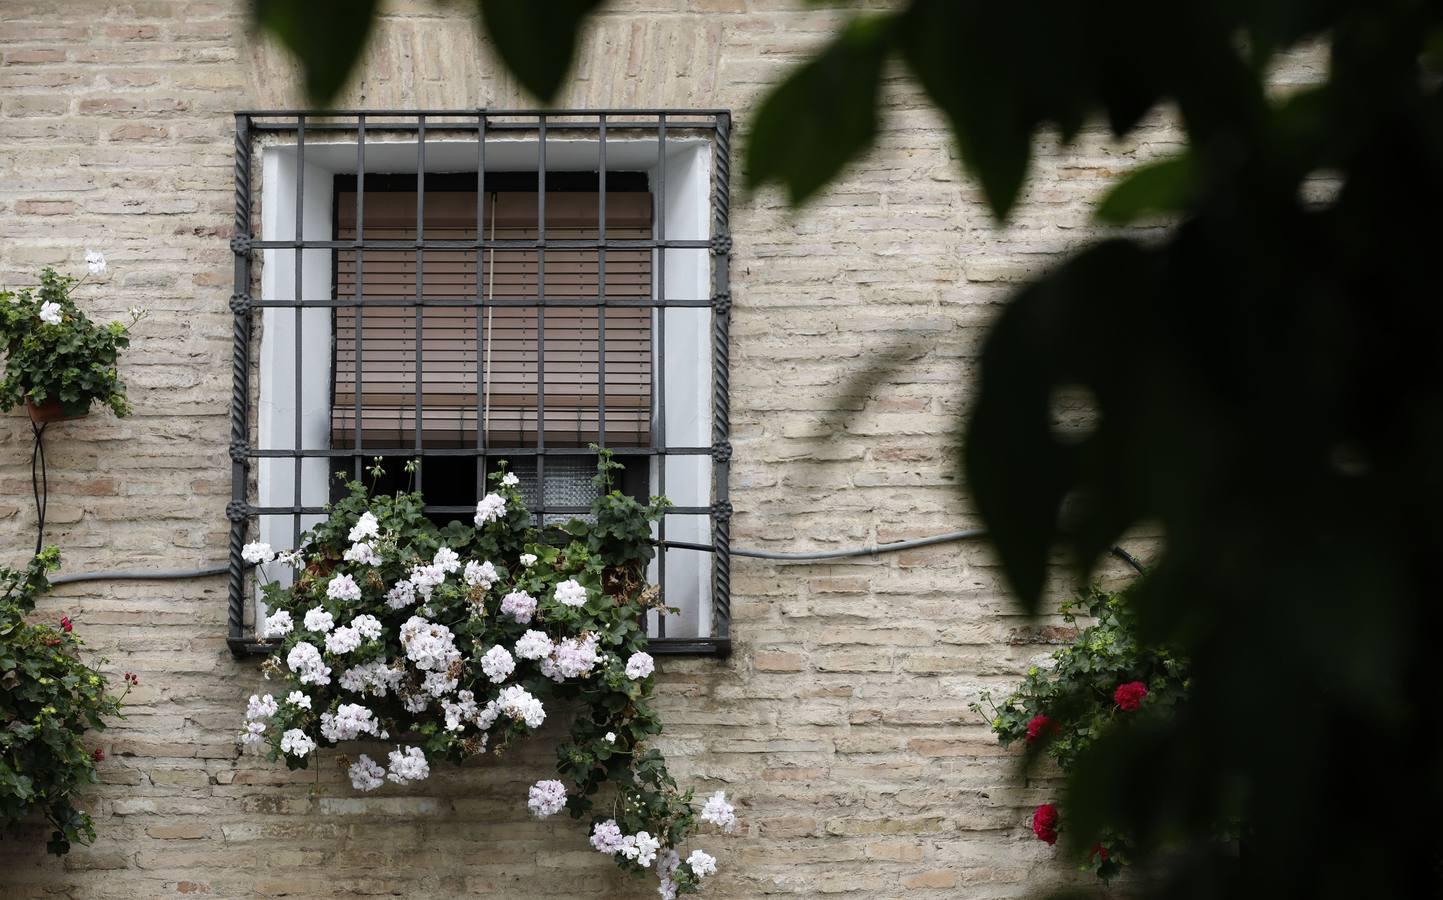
(52, 411)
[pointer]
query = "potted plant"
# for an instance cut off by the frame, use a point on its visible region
(59, 362)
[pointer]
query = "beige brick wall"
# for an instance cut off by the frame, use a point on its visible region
(839, 725)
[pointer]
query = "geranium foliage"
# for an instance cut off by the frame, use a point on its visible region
(1104, 681)
(55, 352)
(49, 699)
(451, 642)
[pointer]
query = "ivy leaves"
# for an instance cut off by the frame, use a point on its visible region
(536, 41)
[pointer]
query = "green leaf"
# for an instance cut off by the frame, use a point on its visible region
(1156, 188)
(536, 41)
(327, 38)
(823, 116)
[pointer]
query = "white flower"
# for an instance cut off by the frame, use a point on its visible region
(481, 573)
(254, 735)
(292, 558)
(366, 527)
(719, 812)
(296, 698)
(350, 721)
(343, 587)
(305, 660)
(702, 863)
(533, 645)
(95, 262)
(430, 646)
(297, 743)
(639, 666)
(366, 774)
(375, 678)
(136, 312)
(547, 798)
(528, 560)
(408, 766)
(446, 560)
(277, 624)
(369, 627)
(611, 737)
(516, 702)
(641, 849)
(606, 837)
(570, 593)
(519, 605)
(458, 711)
(571, 659)
(510, 480)
(427, 577)
(497, 664)
(261, 707)
(363, 553)
(258, 552)
(489, 509)
(318, 620)
(401, 596)
(438, 684)
(343, 640)
(50, 312)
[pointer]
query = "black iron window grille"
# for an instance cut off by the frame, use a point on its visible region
(405, 216)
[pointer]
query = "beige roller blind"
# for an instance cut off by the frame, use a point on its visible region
(457, 341)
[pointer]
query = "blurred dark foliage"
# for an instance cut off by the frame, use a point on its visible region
(1268, 381)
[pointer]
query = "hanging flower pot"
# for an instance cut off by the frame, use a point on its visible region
(54, 350)
(53, 411)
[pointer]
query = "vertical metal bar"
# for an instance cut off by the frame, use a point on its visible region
(360, 282)
(659, 376)
(420, 288)
(541, 318)
(601, 284)
(240, 384)
(481, 337)
(721, 382)
(299, 467)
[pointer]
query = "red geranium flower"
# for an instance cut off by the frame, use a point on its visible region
(1099, 851)
(1044, 823)
(1040, 726)
(65, 624)
(1129, 696)
(98, 755)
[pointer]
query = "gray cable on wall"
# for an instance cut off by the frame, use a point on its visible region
(775, 555)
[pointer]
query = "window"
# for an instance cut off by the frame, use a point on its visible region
(465, 288)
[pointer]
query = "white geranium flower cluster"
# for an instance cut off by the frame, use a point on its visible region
(391, 625)
(547, 798)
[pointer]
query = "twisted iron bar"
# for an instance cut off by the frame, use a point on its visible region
(721, 380)
(240, 381)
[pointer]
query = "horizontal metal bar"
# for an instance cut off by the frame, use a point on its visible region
(483, 112)
(719, 648)
(432, 127)
(457, 510)
(497, 244)
(581, 302)
(580, 452)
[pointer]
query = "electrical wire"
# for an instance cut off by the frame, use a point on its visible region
(39, 483)
(774, 555)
